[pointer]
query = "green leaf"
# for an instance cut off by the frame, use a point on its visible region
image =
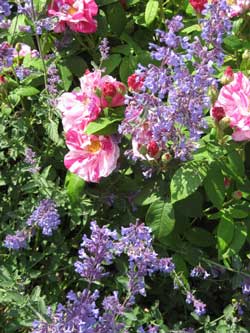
(125, 69)
(76, 65)
(52, 131)
(74, 187)
(199, 237)
(66, 76)
(180, 265)
(191, 206)
(102, 126)
(151, 11)
(160, 217)
(187, 179)
(235, 166)
(239, 238)
(214, 186)
(225, 233)
(40, 5)
(111, 63)
(26, 91)
(116, 18)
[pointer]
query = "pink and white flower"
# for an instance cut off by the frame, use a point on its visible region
(76, 14)
(238, 7)
(91, 157)
(234, 98)
(78, 109)
(22, 50)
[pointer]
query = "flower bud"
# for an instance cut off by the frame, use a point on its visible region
(152, 148)
(218, 113)
(237, 195)
(224, 123)
(227, 183)
(228, 76)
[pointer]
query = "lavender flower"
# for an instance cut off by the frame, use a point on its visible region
(30, 159)
(104, 49)
(199, 272)
(45, 216)
(5, 24)
(47, 24)
(16, 241)
(95, 251)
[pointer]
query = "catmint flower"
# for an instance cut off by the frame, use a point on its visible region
(199, 272)
(5, 9)
(16, 241)
(30, 159)
(6, 55)
(246, 287)
(199, 307)
(53, 79)
(45, 217)
(5, 24)
(24, 28)
(22, 72)
(167, 115)
(95, 251)
(104, 49)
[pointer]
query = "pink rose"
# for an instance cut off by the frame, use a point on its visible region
(76, 14)
(91, 157)
(238, 7)
(78, 109)
(112, 92)
(234, 98)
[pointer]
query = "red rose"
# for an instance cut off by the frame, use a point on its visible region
(198, 5)
(152, 148)
(218, 113)
(135, 82)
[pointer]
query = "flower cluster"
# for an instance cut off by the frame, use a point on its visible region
(45, 217)
(233, 103)
(91, 156)
(75, 14)
(238, 7)
(6, 55)
(81, 313)
(165, 113)
(5, 9)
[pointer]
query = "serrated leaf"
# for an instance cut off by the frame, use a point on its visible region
(225, 233)
(160, 217)
(214, 186)
(187, 179)
(52, 131)
(151, 11)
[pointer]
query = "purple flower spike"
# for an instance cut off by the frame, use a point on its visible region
(16, 241)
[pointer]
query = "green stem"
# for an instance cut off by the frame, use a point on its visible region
(40, 48)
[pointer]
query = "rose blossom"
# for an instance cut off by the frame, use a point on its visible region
(237, 7)
(78, 109)
(91, 156)
(234, 98)
(76, 14)
(198, 5)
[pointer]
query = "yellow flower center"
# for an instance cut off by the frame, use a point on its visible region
(71, 11)
(94, 146)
